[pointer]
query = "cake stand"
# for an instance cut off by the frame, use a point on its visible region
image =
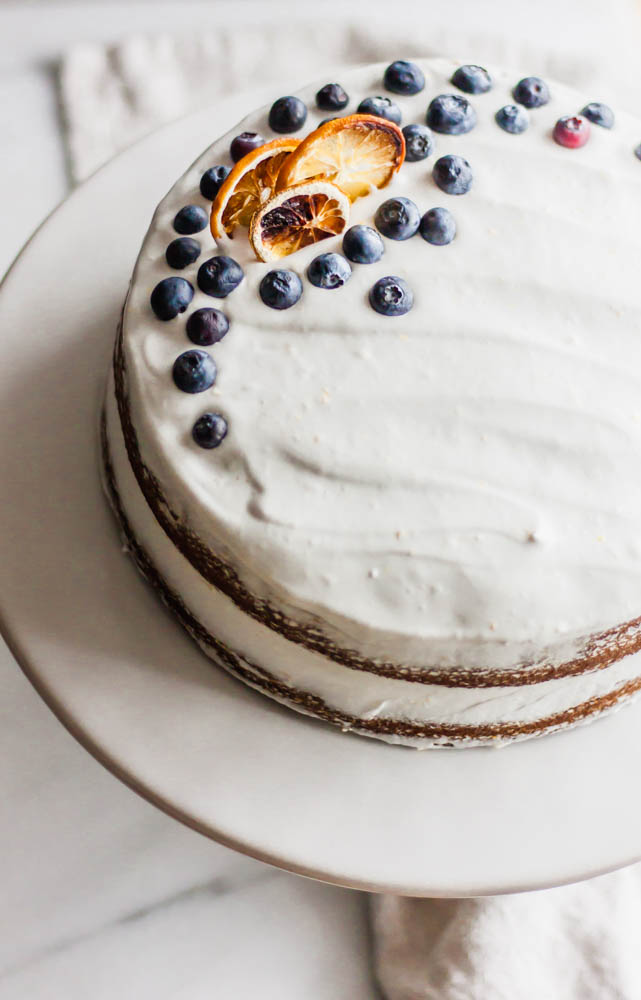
(130, 685)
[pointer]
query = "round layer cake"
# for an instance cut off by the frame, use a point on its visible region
(414, 512)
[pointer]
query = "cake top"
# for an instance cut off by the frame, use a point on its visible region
(451, 455)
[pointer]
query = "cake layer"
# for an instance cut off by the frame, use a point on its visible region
(396, 710)
(451, 494)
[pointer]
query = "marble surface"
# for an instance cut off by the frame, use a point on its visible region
(102, 895)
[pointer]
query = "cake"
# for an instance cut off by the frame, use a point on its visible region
(377, 444)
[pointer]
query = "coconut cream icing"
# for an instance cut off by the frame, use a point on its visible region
(458, 486)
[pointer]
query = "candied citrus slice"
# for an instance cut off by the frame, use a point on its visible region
(298, 216)
(249, 185)
(358, 153)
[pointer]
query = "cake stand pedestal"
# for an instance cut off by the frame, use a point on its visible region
(125, 679)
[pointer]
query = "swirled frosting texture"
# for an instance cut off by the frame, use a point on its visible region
(459, 486)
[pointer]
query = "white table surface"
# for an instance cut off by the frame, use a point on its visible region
(102, 896)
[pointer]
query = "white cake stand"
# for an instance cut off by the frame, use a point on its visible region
(139, 695)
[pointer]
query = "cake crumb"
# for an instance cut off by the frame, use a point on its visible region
(373, 573)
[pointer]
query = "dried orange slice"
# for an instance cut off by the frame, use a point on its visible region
(249, 185)
(303, 214)
(358, 153)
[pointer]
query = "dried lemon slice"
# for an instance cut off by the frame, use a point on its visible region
(303, 214)
(249, 185)
(358, 153)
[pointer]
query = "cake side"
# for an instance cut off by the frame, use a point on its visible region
(396, 710)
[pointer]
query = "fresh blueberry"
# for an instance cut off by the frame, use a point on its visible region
(194, 371)
(382, 107)
(190, 219)
(212, 181)
(419, 142)
(182, 252)
(281, 289)
(207, 326)
(245, 143)
(453, 174)
(397, 218)
(512, 118)
(599, 114)
(218, 276)
(363, 245)
(287, 114)
(472, 79)
(209, 430)
(404, 78)
(170, 297)
(391, 296)
(531, 92)
(572, 131)
(329, 270)
(331, 97)
(438, 227)
(637, 152)
(451, 114)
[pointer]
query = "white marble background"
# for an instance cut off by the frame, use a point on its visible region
(101, 896)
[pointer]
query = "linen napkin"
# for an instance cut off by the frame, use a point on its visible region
(577, 942)
(573, 943)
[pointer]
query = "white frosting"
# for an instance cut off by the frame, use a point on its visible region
(456, 486)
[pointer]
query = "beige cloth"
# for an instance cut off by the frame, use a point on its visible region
(573, 943)
(577, 942)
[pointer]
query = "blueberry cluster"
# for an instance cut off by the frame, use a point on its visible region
(195, 370)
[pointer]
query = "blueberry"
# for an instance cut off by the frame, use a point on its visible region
(451, 114)
(637, 152)
(438, 227)
(419, 142)
(190, 219)
(170, 297)
(212, 181)
(382, 107)
(363, 245)
(512, 118)
(329, 270)
(281, 289)
(453, 174)
(209, 430)
(572, 131)
(194, 371)
(397, 218)
(218, 276)
(531, 92)
(245, 143)
(599, 114)
(287, 114)
(391, 296)
(207, 326)
(182, 252)
(331, 97)
(404, 78)
(472, 79)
